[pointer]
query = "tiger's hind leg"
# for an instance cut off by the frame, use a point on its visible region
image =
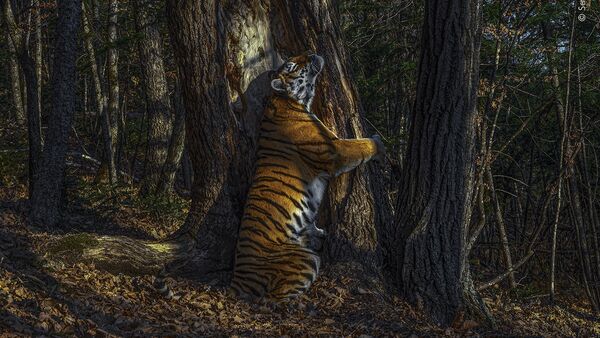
(299, 272)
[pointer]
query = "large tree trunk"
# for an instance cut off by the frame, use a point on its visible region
(357, 204)
(429, 259)
(252, 38)
(49, 184)
(157, 95)
(211, 132)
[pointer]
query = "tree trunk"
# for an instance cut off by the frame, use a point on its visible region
(37, 56)
(49, 184)
(357, 205)
(100, 98)
(112, 70)
(34, 125)
(176, 145)
(15, 80)
(251, 39)
(157, 95)
(211, 132)
(501, 228)
(430, 262)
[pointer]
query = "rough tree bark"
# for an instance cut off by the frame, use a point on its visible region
(49, 184)
(256, 37)
(210, 130)
(157, 95)
(429, 260)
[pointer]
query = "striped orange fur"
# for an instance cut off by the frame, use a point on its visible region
(277, 251)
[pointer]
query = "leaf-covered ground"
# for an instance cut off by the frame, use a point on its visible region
(41, 298)
(38, 298)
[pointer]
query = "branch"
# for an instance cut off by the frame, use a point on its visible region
(501, 277)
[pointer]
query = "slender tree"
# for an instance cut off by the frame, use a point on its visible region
(176, 146)
(99, 95)
(49, 184)
(37, 42)
(15, 80)
(109, 162)
(19, 39)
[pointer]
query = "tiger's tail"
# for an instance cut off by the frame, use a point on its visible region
(161, 286)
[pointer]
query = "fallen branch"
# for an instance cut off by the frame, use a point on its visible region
(97, 162)
(501, 277)
(13, 150)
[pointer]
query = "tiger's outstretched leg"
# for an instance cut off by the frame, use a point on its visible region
(350, 153)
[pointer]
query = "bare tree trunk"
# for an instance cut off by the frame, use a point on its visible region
(49, 185)
(100, 97)
(38, 49)
(112, 66)
(176, 145)
(157, 95)
(15, 80)
(434, 205)
(590, 257)
(562, 113)
(34, 127)
(501, 229)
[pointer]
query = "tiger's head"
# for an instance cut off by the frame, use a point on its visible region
(297, 76)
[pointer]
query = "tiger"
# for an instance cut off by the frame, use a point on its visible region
(277, 254)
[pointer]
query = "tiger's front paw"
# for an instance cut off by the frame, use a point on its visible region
(380, 148)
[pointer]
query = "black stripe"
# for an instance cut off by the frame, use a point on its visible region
(275, 179)
(268, 216)
(248, 241)
(282, 210)
(258, 220)
(286, 150)
(291, 176)
(266, 188)
(269, 164)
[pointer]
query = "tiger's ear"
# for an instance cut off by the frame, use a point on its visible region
(277, 85)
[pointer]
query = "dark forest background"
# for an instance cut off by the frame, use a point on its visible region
(128, 131)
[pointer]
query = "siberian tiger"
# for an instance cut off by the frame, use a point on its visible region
(277, 251)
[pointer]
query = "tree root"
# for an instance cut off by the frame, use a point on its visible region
(115, 254)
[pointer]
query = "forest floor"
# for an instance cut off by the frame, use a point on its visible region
(41, 299)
